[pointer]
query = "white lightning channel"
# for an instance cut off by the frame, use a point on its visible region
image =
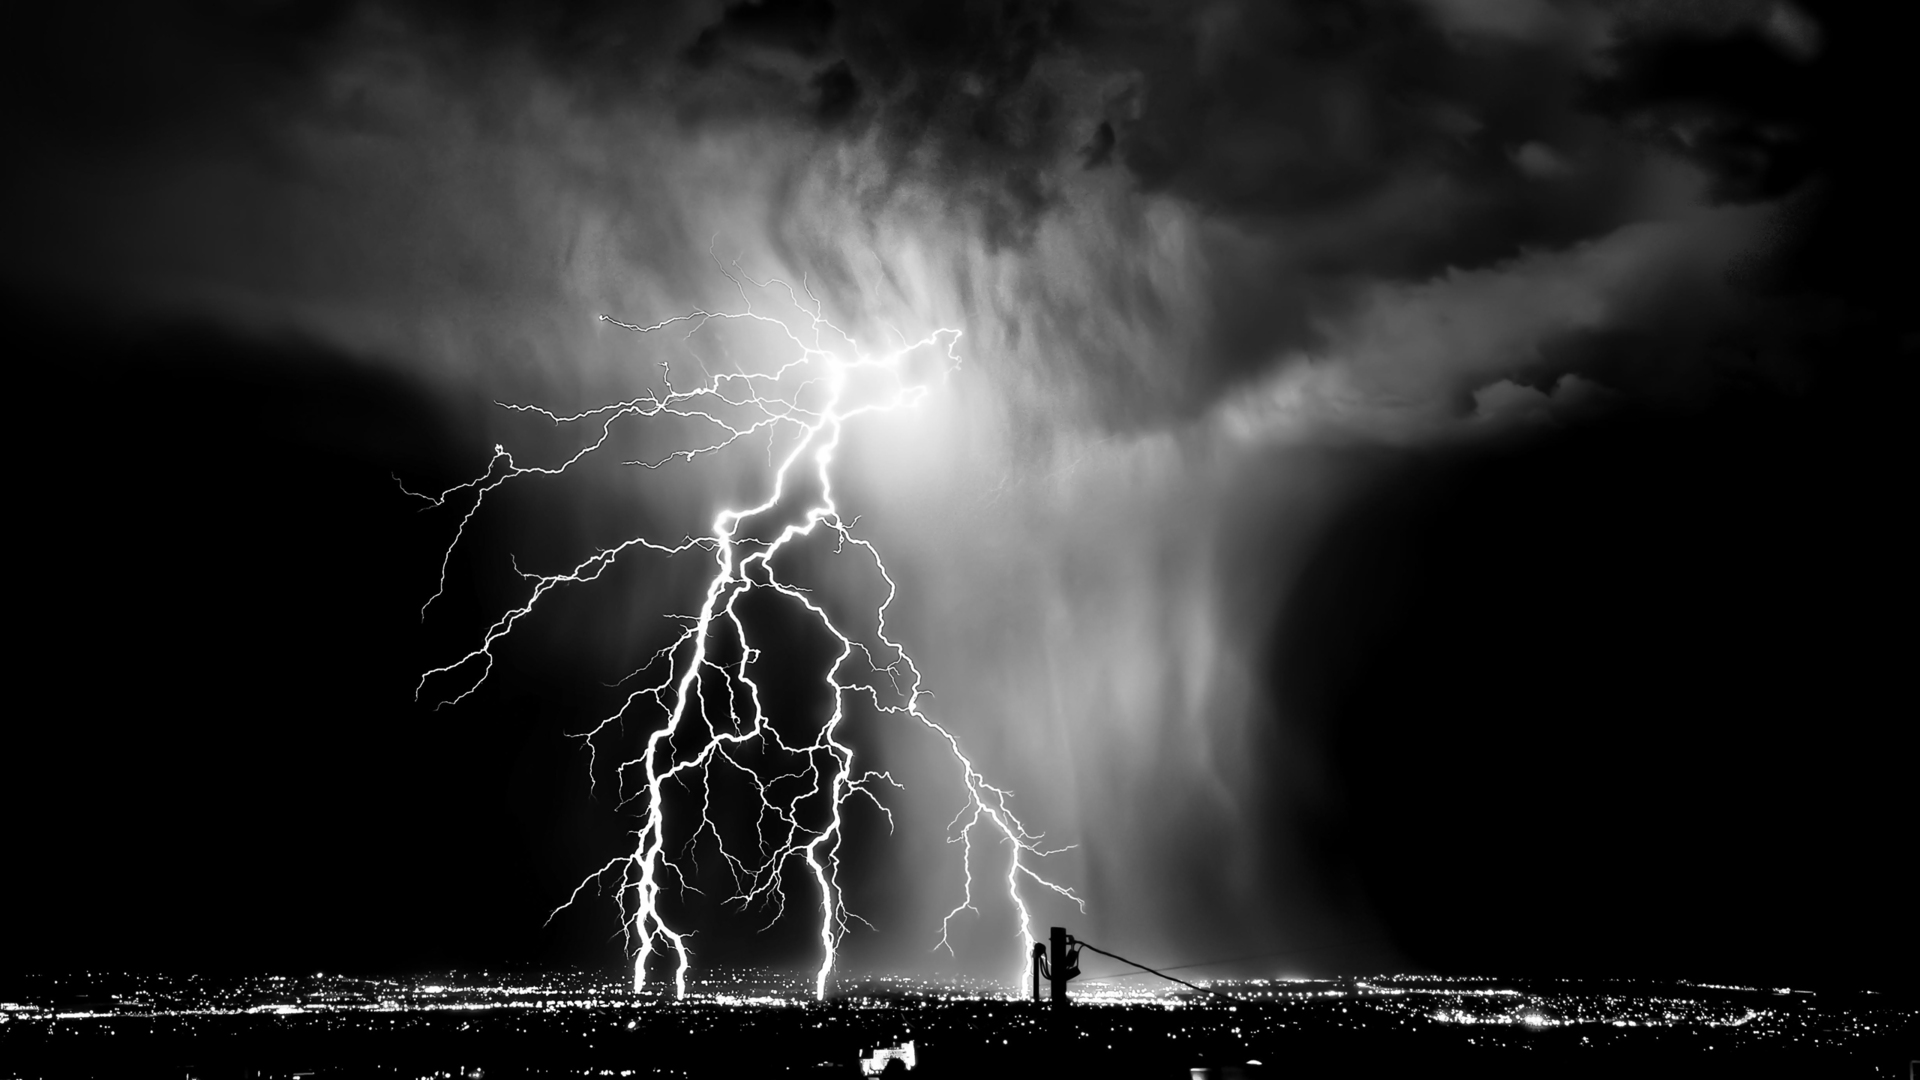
(799, 820)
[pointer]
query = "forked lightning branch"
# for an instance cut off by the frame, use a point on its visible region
(709, 729)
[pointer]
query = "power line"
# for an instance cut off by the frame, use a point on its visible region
(1227, 960)
(1162, 974)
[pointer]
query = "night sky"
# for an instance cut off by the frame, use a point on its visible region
(1423, 491)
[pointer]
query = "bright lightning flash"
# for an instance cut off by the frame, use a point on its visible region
(709, 715)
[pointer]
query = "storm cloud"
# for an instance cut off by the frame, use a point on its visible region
(1211, 262)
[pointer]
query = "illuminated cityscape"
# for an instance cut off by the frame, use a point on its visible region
(492, 1024)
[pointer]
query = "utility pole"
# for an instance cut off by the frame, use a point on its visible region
(1063, 963)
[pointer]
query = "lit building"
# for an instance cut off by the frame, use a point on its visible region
(876, 1062)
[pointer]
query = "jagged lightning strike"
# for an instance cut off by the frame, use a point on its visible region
(803, 795)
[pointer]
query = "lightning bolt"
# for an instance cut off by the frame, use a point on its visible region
(709, 714)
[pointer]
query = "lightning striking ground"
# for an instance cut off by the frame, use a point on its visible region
(701, 687)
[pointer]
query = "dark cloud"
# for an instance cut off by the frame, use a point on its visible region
(1733, 104)
(1209, 261)
(1322, 148)
(1344, 143)
(800, 26)
(1100, 149)
(839, 91)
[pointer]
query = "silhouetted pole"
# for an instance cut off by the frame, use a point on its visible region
(1063, 964)
(1039, 959)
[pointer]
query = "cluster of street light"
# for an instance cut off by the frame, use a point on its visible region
(1246, 1009)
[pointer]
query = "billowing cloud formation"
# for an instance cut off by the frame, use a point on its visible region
(1189, 244)
(1164, 200)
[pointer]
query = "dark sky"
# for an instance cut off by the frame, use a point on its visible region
(1518, 390)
